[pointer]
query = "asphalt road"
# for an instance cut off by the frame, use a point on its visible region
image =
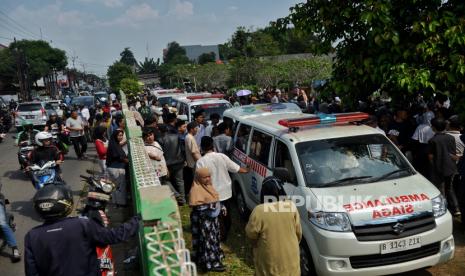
(18, 189)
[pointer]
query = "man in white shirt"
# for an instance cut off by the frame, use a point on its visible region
(220, 165)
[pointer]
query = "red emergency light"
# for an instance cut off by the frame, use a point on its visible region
(202, 97)
(321, 119)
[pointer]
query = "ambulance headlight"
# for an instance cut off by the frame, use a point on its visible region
(338, 222)
(439, 206)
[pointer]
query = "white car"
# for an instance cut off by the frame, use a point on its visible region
(187, 106)
(364, 209)
(34, 112)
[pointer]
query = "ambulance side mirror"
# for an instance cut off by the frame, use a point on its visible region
(283, 174)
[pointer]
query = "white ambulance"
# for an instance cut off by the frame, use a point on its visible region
(364, 209)
(187, 106)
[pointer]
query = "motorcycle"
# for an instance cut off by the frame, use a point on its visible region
(25, 148)
(10, 219)
(5, 120)
(44, 174)
(95, 208)
(60, 140)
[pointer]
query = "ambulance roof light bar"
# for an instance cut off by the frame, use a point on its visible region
(323, 119)
(202, 97)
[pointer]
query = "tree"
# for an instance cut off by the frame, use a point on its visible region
(207, 57)
(130, 86)
(118, 71)
(41, 58)
(175, 54)
(401, 47)
(7, 66)
(127, 57)
(149, 66)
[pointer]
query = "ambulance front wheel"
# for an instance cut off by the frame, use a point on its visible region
(307, 267)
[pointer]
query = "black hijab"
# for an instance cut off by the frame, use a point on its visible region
(115, 153)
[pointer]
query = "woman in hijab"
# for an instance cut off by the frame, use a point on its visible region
(117, 161)
(204, 201)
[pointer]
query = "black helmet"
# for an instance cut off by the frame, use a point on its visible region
(53, 201)
(272, 189)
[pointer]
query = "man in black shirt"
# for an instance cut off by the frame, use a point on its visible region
(443, 156)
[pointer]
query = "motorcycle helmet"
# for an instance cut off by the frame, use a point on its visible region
(53, 201)
(43, 135)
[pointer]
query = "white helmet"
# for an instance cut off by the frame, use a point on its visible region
(42, 136)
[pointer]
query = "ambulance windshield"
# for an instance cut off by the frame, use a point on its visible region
(350, 160)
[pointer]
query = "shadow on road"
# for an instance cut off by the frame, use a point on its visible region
(26, 209)
(16, 175)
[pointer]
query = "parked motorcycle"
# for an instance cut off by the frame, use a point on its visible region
(10, 219)
(44, 174)
(95, 208)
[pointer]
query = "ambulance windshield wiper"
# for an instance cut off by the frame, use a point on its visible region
(384, 176)
(345, 180)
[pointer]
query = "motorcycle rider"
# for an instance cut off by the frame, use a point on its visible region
(64, 245)
(55, 126)
(45, 151)
(27, 135)
(8, 233)
(54, 123)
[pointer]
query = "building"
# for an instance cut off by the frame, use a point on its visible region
(2, 46)
(194, 51)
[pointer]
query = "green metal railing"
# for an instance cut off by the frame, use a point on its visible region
(161, 241)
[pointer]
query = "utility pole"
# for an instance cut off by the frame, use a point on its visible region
(40, 33)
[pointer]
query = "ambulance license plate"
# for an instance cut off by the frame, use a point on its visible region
(400, 245)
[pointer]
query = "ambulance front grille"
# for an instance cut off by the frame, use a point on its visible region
(386, 231)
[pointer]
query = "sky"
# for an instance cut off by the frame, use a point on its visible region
(96, 31)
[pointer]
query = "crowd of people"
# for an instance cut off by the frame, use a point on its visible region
(192, 158)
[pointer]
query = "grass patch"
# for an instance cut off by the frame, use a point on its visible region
(238, 251)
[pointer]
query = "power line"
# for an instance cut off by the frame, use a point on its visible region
(9, 27)
(18, 24)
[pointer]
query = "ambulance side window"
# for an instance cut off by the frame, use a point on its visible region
(260, 147)
(283, 159)
(242, 137)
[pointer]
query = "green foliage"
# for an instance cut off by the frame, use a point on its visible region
(130, 86)
(246, 72)
(206, 58)
(149, 66)
(117, 72)
(400, 47)
(127, 57)
(270, 41)
(175, 54)
(40, 57)
(7, 66)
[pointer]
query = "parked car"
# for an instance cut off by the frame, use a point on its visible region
(87, 101)
(35, 112)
